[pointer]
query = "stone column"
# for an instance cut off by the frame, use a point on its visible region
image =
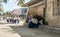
(49, 11)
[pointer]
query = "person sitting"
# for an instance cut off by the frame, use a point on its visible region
(34, 23)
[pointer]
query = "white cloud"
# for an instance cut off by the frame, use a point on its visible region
(11, 5)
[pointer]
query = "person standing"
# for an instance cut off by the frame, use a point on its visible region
(29, 17)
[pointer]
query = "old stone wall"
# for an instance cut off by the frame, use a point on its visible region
(37, 10)
(52, 20)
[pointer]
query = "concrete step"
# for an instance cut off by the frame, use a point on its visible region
(55, 30)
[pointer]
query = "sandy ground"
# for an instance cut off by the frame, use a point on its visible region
(6, 31)
(18, 30)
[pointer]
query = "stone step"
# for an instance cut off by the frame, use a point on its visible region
(55, 30)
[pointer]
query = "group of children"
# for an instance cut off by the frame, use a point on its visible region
(34, 21)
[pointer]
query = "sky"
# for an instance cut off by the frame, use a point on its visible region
(11, 5)
(27, 1)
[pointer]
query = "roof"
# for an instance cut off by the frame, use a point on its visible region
(32, 2)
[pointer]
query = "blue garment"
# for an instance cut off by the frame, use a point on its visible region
(33, 25)
(7, 20)
(30, 17)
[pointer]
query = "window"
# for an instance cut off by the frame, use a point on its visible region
(56, 8)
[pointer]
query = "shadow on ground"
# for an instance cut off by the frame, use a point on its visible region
(24, 31)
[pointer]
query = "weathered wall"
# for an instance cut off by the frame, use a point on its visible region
(52, 20)
(40, 10)
(33, 10)
(37, 10)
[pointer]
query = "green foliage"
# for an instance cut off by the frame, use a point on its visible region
(1, 10)
(21, 2)
(5, 1)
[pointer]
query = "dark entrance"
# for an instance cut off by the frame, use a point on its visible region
(44, 11)
(44, 16)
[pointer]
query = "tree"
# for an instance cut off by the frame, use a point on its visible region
(21, 2)
(1, 9)
(5, 1)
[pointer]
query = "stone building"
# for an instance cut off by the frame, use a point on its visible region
(36, 7)
(53, 12)
(49, 9)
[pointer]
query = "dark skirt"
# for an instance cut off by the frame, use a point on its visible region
(33, 25)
